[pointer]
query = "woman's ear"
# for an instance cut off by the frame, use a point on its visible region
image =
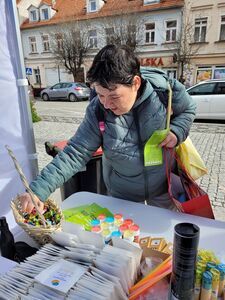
(137, 82)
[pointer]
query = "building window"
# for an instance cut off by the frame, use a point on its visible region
(203, 73)
(171, 31)
(93, 40)
(149, 33)
(45, 43)
(172, 73)
(44, 14)
(37, 76)
(200, 30)
(92, 5)
(109, 32)
(59, 41)
(33, 44)
(33, 15)
(219, 73)
(222, 29)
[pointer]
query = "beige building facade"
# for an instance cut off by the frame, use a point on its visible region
(157, 24)
(208, 40)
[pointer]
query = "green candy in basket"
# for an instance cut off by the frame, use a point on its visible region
(51, 216)
(38, 226)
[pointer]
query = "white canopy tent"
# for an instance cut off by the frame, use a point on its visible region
(15, 120)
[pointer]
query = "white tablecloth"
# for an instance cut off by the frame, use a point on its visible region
(155, 221)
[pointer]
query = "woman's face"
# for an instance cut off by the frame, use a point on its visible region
(119, 98)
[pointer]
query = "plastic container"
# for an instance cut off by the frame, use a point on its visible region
(104, 225)
(136, 230)
(116, 234)
(106, 234)
(128, 235)
(118, 219)
(185, 247)
(95, 222)
(96, 229)
(101, 218)
(123, 228)
(128, 222)
(110, 222)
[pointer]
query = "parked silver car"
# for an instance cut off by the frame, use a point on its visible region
(210, 98)
(72, 91)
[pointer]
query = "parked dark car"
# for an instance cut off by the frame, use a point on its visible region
(72, 91)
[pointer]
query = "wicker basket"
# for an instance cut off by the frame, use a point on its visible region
(39, 233)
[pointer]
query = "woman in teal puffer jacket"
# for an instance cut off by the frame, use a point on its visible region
(130, 101)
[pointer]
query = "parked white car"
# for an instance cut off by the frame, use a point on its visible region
(210, 99)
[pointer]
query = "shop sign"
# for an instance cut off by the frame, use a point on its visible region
(152, 62)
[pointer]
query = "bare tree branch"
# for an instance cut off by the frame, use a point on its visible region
(123, 29)
(70, 44)
(186, 46)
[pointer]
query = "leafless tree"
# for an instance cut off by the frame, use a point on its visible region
(186, 47)
(70, 44)
(122, 29)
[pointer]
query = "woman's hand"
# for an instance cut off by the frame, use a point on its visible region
(27, 204)
(170, 141)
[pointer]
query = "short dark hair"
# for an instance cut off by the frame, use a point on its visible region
(114, 65)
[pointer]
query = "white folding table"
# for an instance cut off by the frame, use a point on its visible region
(154, 221)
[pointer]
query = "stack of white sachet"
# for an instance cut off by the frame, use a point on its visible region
(15, 283)
(76, 270)
(112, 275)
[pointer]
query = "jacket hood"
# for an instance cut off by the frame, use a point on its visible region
(155, 77)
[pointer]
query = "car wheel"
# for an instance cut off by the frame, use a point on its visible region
(72, 98)
(45, 97)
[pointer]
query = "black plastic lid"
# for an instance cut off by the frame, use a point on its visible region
(187, 230)
(3, 222)
(186, 236)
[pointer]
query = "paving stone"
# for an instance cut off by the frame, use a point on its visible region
(209, 140)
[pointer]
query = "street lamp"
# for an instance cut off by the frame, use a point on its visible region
(39, 76)
(59, 74)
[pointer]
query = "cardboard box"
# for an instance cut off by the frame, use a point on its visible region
(155, 247)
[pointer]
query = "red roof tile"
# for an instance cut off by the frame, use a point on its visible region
(49, 2)
(75, 9)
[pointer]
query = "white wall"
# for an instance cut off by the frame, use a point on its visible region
(22, 8)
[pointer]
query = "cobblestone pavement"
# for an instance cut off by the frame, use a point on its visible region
(209, 139)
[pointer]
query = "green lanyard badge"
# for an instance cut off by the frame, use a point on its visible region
(152, 152)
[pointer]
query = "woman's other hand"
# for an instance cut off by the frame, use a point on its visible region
(170, 141)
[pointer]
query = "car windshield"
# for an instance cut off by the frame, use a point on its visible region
(202, 89)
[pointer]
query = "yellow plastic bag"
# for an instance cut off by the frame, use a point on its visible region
(191, 159)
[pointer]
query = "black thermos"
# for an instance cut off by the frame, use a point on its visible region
(185, 248)
(7, 244)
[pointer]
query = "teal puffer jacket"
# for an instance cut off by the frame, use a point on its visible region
(123, 168)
